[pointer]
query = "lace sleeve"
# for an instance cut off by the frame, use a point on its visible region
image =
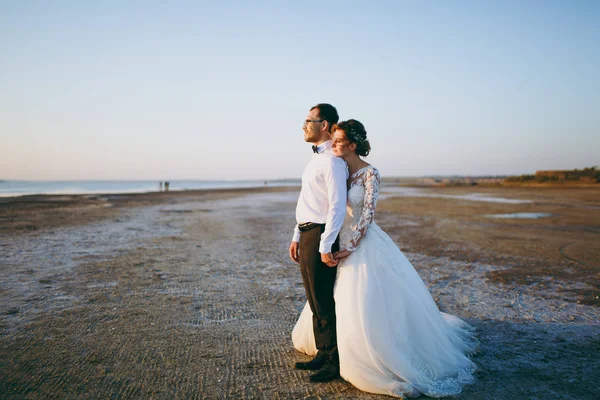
(371, 182)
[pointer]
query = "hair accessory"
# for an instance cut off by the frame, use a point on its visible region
(354, 137)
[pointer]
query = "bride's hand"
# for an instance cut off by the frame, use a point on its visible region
(338, 255)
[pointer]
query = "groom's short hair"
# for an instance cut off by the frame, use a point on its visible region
(328, 113)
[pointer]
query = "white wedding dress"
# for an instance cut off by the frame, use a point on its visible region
(392, 339)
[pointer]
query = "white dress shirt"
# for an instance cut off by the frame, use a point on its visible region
(323, 195)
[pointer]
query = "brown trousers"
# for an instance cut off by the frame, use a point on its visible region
(319, 280)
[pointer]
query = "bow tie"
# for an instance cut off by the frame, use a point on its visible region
(315, 149)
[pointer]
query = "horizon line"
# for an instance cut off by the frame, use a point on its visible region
(252, 179)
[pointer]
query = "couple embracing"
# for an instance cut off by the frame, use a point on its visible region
(369, 317)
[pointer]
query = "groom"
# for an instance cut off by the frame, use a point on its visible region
(320, 213)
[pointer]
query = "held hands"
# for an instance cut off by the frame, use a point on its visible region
(329, 260)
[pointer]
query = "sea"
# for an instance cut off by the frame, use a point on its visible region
(11, 188)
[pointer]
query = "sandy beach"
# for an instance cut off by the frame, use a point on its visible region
(191, 295)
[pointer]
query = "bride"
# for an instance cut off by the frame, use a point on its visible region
(392, 339)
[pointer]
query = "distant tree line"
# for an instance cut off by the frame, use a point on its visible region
(589, 174)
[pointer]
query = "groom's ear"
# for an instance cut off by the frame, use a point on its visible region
(326, 126)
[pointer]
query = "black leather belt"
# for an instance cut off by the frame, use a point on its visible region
(307, 226)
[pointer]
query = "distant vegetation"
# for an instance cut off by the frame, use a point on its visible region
(590, 175)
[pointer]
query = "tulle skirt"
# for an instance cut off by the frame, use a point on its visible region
(392, 339)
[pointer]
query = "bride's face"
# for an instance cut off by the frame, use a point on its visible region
(341, 146)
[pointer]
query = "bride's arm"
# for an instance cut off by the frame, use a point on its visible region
(372, 180)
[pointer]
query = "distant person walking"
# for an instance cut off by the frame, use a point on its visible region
(167, 183)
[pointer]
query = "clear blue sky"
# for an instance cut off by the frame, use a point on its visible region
(219, 89)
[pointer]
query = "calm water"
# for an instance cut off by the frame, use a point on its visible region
(401, 191)
(20, 188)
(523, 215)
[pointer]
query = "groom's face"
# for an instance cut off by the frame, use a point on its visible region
(313, 127)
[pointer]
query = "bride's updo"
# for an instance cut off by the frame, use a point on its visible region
(357, 134)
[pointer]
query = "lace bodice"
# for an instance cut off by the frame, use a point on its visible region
(362, 198)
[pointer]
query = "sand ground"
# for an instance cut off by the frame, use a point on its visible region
(191, 295)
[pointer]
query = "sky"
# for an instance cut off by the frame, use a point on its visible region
(220, 89)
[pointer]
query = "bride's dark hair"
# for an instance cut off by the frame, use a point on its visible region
(355, 133)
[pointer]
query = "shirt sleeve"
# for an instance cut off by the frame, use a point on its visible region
(335, 180)
(372, 180)
(296, 237)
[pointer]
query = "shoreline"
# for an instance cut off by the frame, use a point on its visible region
(175, 192)
(388, 181)
(17, 188)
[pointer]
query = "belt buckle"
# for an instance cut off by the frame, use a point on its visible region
(302, 227)
(307, 226)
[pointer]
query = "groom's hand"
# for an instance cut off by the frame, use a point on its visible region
(294, 247)
(329, 259)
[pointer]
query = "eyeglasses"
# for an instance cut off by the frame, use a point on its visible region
(306, 121)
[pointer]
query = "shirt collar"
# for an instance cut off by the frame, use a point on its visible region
(324, 146)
